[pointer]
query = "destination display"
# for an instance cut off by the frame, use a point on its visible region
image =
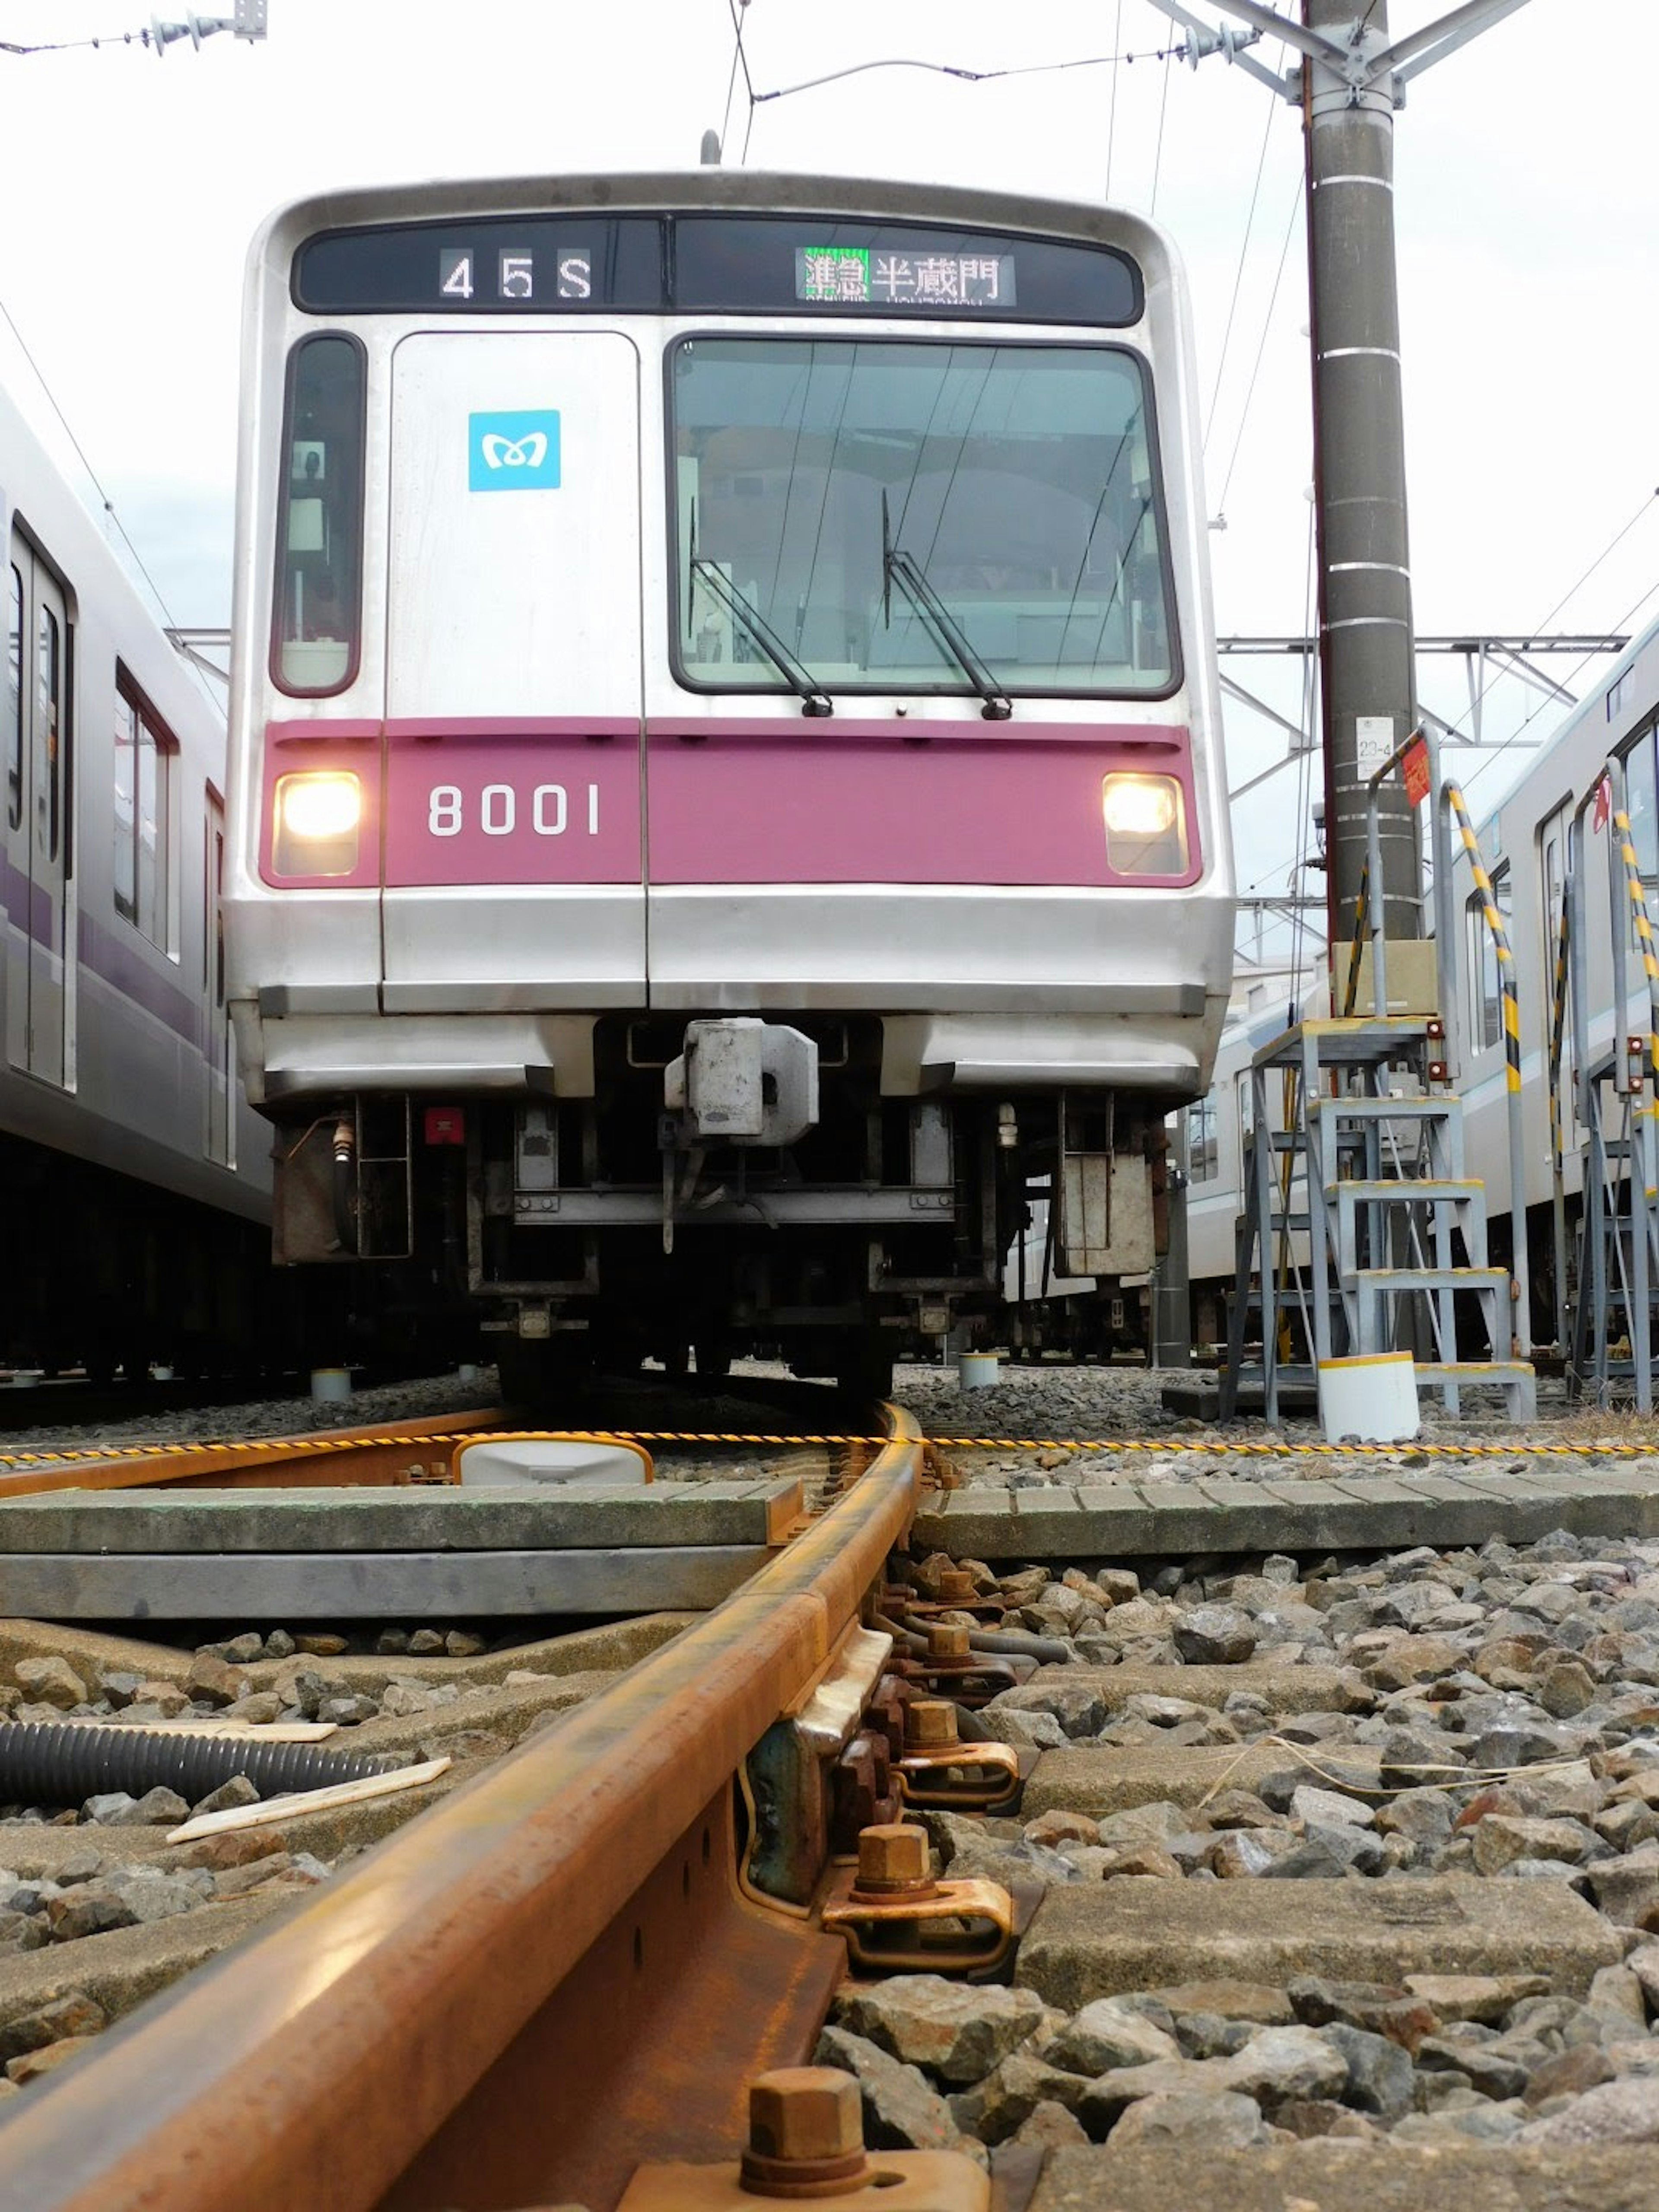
(712, 263)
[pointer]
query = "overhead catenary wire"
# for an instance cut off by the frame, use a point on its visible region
(1607, 552)
(1273, 106)
(108, 502)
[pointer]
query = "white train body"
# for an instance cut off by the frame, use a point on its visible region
(1525, 844)
(698, 891)
(128, 1159)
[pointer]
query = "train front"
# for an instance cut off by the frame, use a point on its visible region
(727, 777)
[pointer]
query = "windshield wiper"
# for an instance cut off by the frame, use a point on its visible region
(814, 700)
(939, 621)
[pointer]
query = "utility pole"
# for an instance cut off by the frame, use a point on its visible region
(1350, 78)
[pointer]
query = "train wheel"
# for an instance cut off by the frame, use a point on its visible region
(713, 1358)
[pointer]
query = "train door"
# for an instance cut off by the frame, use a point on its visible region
(37, 816)
(513, 684)
(218, 1048)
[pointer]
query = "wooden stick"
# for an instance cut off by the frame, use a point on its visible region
(218, 1725)
(299, 1801)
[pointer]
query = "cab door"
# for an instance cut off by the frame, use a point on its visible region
(36, 817)
(512, 847)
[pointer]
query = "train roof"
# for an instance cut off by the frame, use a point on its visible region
(691, 191)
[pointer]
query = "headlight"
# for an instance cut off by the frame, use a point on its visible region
(318, 816)
(1146, 819)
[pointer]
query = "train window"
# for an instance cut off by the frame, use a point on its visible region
(1203, 1150)
(48, 700)
(858, 501)
(15, 701)
(1640, 804)
(144, 748)
(1485, 999)
(319, 559)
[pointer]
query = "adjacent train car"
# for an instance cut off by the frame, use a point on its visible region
(1525, 842)
(727, 796)
(134, 1183)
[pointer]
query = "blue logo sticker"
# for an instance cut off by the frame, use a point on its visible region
(515, 451)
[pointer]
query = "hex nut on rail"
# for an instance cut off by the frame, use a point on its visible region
(805, 2134)
(896, 1918)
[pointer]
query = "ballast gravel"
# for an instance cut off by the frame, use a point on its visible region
(1489, 1712)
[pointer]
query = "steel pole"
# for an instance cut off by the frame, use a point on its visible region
(1365, 581)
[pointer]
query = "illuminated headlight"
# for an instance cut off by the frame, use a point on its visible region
(318, 816)
(1146, 819)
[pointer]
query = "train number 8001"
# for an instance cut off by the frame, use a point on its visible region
(549, 810)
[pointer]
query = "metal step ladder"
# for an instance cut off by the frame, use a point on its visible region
(1388, 1236)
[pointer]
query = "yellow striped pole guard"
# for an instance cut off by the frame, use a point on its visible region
(1558, 1035)
(1509, 990)
(1644, 928)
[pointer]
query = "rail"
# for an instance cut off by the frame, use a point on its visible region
(419, 2031)
(390, 1453)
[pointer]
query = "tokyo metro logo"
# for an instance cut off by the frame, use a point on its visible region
(516, 452)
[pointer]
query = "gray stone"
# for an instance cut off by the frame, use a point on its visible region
(1322, 1807)
(901, 2112)
(1487, 2069)
(1280, 2063)
(1625, 2112)
(956, 2031)
(86, 1911)
(1050, 2127)
(349, 1711)
(212, 1682)
(107, 1805)
(50, 1681)
(1214, 1636)
(1077, 1707)
(1381, 2076)
(156, 1809)
(1106, 2035)
(151, 1895)
(1219, 2120)
(1012, 2092)
(73, 2014)
(236, 1792)
(1499, 1841)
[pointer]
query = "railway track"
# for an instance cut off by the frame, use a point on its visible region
(555, 1975)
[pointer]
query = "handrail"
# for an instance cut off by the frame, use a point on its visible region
(1557, 1183)
(1356, 945)
(310, 2065)
(1508, 991)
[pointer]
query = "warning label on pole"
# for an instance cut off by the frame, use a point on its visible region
(1415, 770)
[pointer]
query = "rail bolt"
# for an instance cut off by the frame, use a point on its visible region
(930, 1724)
(946, 1640)
(955, 1584)
(893, 1858)
(805, 2134)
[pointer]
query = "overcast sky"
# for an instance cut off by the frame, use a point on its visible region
(1527, 208)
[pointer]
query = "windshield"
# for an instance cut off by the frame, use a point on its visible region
(1018, 480)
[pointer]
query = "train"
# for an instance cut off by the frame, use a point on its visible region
(727, 802)
(134, 1181)
(1600, 755)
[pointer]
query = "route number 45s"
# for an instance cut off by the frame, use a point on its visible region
(547, 811)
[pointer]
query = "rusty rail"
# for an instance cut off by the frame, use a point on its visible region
(391, 1452)
(399, 2038)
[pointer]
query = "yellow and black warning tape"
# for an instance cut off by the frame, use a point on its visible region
(1618, 1448)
